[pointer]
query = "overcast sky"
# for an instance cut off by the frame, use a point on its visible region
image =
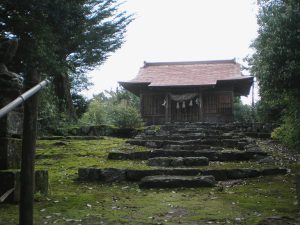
(178, 30)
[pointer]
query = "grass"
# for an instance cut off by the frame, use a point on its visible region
(71, 202)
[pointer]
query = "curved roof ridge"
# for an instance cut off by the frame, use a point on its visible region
(190, 62)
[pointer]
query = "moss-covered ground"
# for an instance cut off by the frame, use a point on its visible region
(71, 202)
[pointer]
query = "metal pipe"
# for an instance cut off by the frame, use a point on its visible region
(22, 98)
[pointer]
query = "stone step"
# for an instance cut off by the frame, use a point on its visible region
(251, 130)
(211, 126)
(178, 161)
(119, 175)
(211, 155)
(230, 143)
(177, 181)
(193, 147)
(190, 136)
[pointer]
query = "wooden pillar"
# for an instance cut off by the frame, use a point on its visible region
(168, 109)
(28, 153)
(201, 107)
(232, 107)
(142, 105)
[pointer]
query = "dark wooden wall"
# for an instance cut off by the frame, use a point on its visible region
(217, 106)
(187, 114)
(152, 110)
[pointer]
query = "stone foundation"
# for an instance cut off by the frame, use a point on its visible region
(10, 153)
(11, 179)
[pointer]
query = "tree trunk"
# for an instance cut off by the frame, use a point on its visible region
(62, 87)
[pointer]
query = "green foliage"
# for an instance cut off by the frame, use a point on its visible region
(61, 36)
(119, 108)
(276, 64)
(80, 104)
(289, 131)
(124, 116)
(63, 39)
(242, 113)
(96, 113)
(49, 117)
(269, 112)
(70, 201)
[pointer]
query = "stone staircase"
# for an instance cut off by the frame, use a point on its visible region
(180, 154)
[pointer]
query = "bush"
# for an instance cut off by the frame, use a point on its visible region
(95, 114)
(124, 116)
(119, 110)
(289, 131)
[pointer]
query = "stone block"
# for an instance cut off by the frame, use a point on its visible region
(196, 161)
(272, 171)
(113, 175)
(11, 124)
(118, 156)
(137, 175)
(178, 161)
(102, 175)
(89, 174)
(177, 181)
(11, 179)
(132, 155)
(242, 173)
(10, 153)
(219, 174)
(41, 182)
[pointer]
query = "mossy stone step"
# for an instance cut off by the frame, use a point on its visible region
(191, 147)
(178, 161)
(211, 155)
(216, 142)
(177, 181)
(117, 175)
(188, 136)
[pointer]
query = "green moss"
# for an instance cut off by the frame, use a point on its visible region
(71, 202)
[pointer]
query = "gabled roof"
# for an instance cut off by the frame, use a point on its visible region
(193, 73)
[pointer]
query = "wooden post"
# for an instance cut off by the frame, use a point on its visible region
(201, 106)
(28, 153)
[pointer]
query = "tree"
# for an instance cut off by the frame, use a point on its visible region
(276, 62)
(63, 39)
(242, 113)
(119, 108)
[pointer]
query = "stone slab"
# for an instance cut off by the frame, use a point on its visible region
(144, 155)
(178, 161)
(210, 154)
(177, 181)
(118, 175)
(103, 175)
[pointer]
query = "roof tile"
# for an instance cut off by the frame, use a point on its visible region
(188, 73)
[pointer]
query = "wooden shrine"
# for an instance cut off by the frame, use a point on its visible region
(199, 91)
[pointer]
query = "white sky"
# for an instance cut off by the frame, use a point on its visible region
(178, 30)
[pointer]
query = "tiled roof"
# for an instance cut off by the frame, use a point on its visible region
(195, 73)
